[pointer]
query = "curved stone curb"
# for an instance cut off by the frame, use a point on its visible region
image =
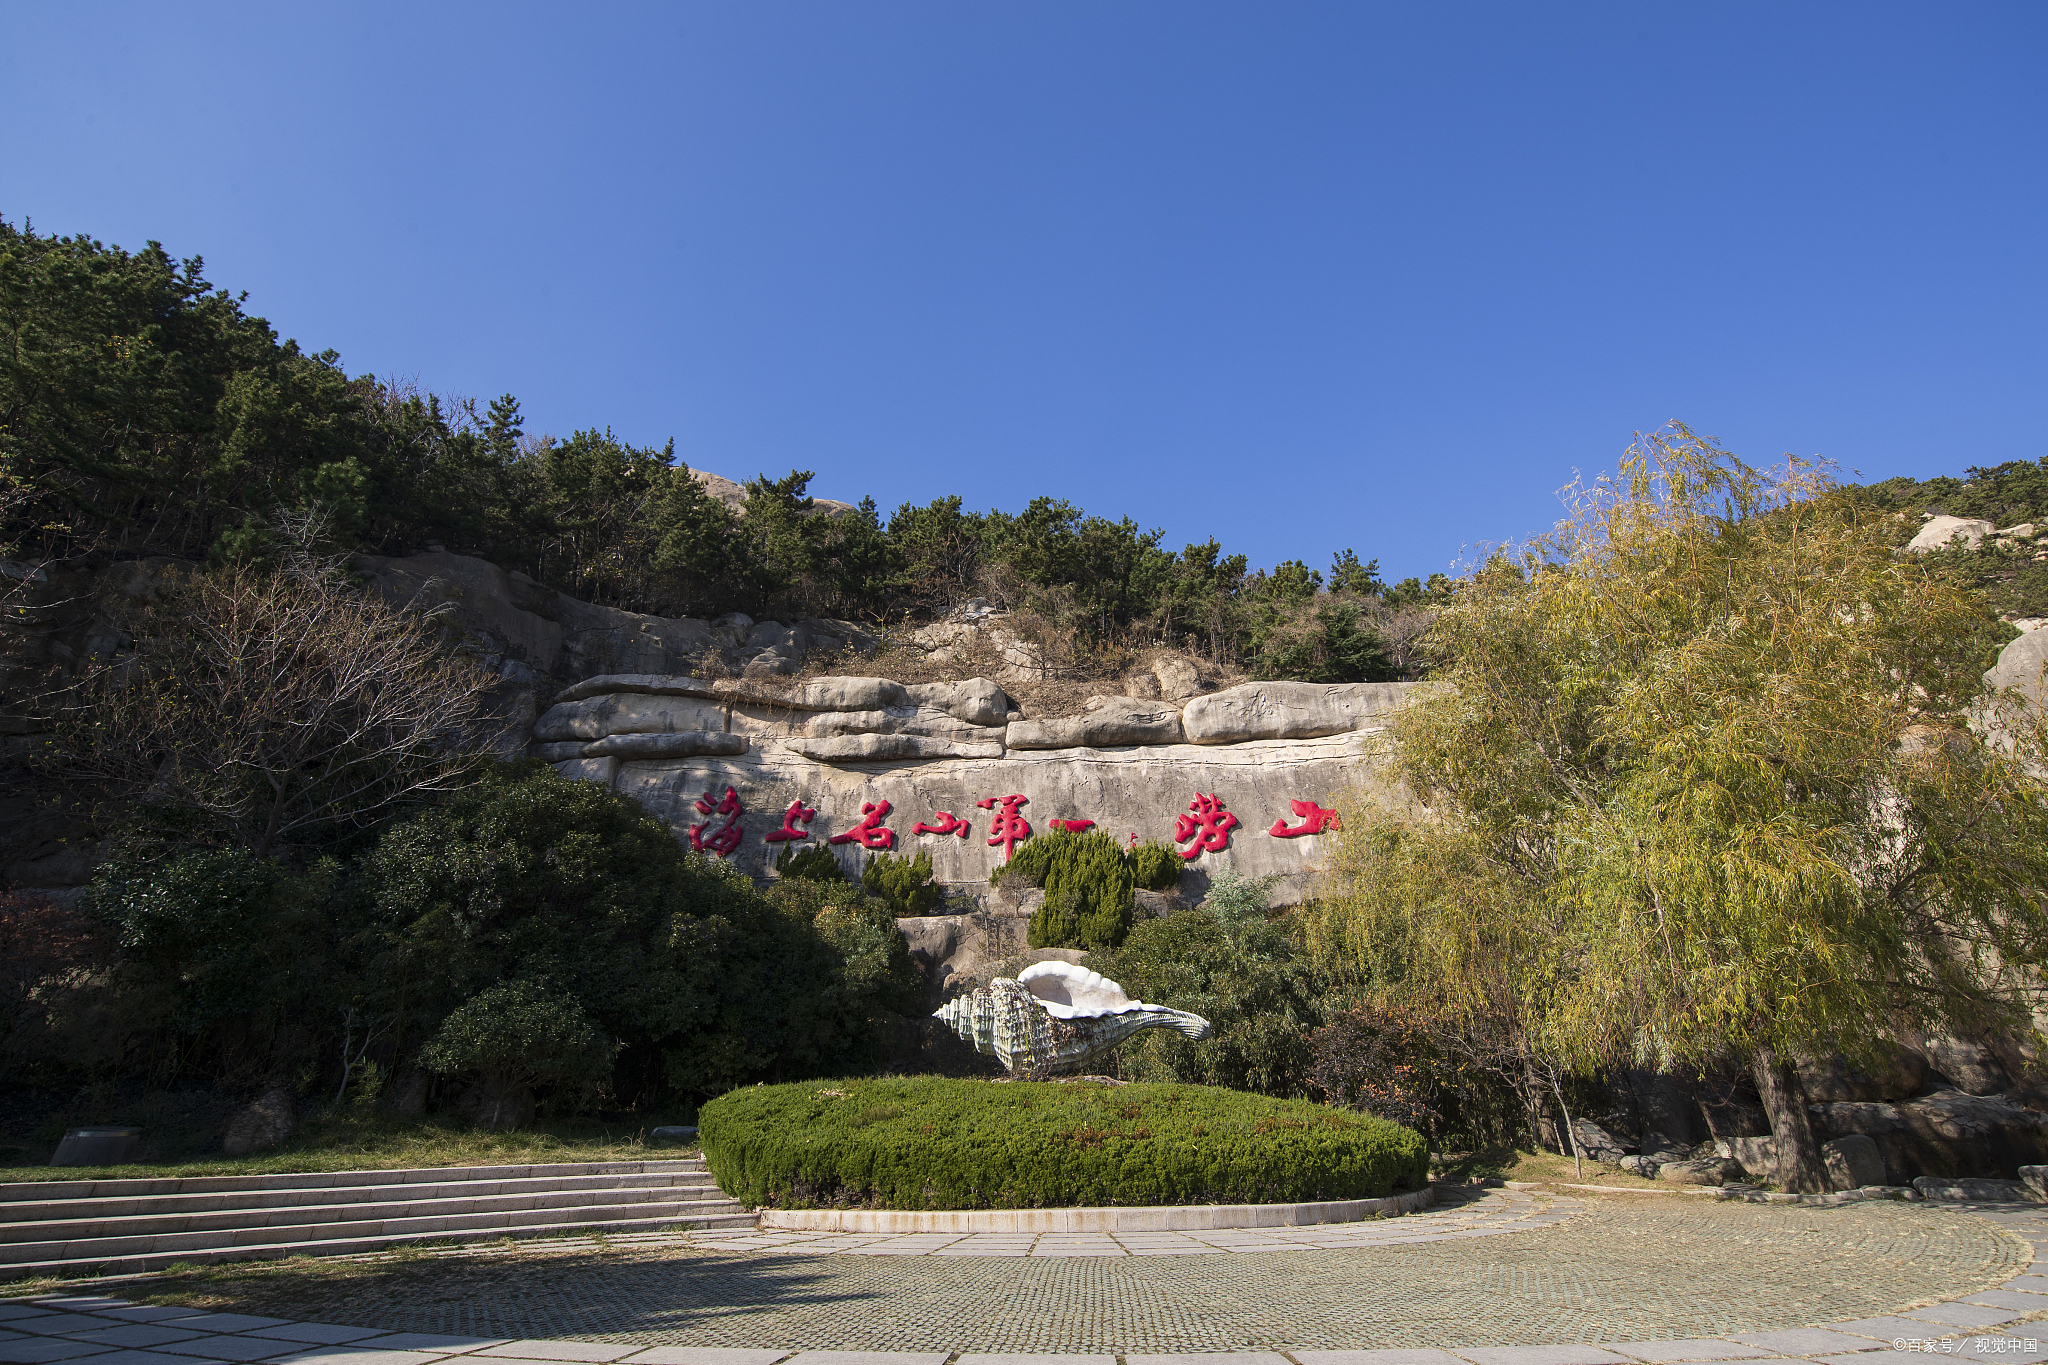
(1146, 1218)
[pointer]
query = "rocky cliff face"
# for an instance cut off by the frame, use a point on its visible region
(1246, 778)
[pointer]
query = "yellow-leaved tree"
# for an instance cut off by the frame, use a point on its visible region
(1703, 775)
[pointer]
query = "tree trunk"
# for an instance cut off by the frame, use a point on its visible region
(1800, 1168)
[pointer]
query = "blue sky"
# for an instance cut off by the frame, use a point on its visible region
(1299, 276)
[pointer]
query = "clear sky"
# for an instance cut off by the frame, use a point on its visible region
(1300, 276)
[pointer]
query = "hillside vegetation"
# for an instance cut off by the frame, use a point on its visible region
(143, 411)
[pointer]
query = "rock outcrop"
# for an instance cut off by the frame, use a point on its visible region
(1941, 532)
(515, 618)
(869, 764)
(1944, 1133)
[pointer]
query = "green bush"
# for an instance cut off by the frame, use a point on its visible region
(1245, 976)
(1088, 889)
(1155, 867)
(808, 863)
(903, 884)
(521, 1033)
(930, 1142)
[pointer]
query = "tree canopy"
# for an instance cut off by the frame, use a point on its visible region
(1702, 773)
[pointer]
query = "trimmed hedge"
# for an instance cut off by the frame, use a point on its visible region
(1088, 885)
(931, 1142)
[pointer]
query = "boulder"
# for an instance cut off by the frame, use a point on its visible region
(561, 753)
(932, 724)
(1853, 1162)
(1288, 710)
(1177, 678)
(2035, 1178)
(887, 748)
(653, 684)
(1643, 1166)
(1968, 1064)
(852, 694)
(685, 744)
(1106, 723)
(1710, 1170)
(1975, 1191)
(1898, 1073)
(1940, 532)
(978, 701)
(603, 771)
(1945, 1133)
(265, 1121)
(616, 713)
(1758, 1156)
(1596, 1143)
(2020, 665)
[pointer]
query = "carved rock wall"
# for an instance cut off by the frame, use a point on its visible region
(845, 747)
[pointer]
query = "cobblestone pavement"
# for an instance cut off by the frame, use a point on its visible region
(1622, 1280)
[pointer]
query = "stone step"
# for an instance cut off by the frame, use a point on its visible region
(18, 1211)
(89, 1248)
(451, 1200)
(40, 1190)
(135, 1263)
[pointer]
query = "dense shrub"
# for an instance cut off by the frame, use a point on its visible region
(1155, 867)
(935, 1143)
(1088, 889)
(808, 862)
(521, 1033)
(1245, 977)
(903, 884)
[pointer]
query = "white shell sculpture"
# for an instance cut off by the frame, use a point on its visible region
(1055, 1016)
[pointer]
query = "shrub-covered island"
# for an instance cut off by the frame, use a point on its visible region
(930, 1142)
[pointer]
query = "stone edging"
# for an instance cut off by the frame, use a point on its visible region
(1147, 1218)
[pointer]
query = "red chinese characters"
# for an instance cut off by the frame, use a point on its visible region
(1009, 824)
(1314, 820)
(720, 833)
(1072, 826)
(948, 823)
(797, 814)
(1209, 825)
(869, 832)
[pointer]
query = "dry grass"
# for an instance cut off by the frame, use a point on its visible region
(379, 1143)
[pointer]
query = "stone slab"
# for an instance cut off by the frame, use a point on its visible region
(702, 1355)
(1409, 1356)
(586, 1351)
(1541, 1355)
(39, 1350)
(319, 1333)
(1689, 1349)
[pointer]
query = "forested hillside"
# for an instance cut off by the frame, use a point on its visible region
(143, 411)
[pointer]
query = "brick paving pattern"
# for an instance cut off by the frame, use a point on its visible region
(1616, 1281)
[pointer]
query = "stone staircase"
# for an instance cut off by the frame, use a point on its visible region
(111, 1227)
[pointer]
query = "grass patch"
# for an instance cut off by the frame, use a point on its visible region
(931, 1142)
(1506, 1164)
(355, 1142)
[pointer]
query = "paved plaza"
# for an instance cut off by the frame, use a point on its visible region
(1510, 1278)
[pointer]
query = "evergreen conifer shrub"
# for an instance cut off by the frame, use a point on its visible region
(808, 862)
(903, 884)
(1155, 867)
(1088, 889)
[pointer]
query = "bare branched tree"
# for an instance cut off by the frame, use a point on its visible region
(282, 706)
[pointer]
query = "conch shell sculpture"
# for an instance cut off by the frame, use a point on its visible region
(1055, 1016)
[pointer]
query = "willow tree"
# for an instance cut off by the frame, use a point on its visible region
(1703, 775)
